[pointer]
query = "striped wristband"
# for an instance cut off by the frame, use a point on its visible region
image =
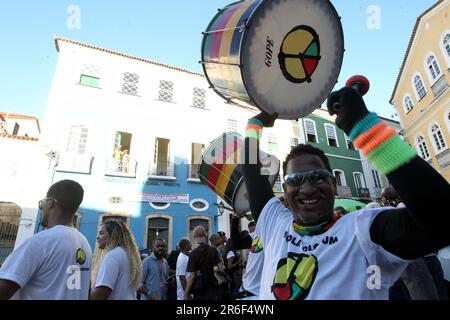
(382, 146)
(254, 129)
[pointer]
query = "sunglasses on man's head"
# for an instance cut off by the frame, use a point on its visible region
(315, 177)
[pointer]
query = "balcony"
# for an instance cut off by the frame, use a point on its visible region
(439, 86)
(74, 162)
(363, 193)
(120, 168)
(162, 170)
(193, 175)
(443, 158)
(344, 192)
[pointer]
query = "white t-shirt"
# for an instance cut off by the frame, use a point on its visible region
(182, 263)
(342, 263)
(54, 264)
(114, 273)
(252, 277)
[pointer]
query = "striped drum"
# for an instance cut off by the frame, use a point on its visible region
(281, 56)
(220, 170)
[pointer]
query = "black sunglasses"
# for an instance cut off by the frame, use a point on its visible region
(315, 177)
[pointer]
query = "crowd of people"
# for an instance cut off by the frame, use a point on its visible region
(298, 247)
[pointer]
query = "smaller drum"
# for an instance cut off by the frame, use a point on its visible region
(220, 170)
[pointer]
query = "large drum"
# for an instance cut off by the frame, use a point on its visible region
(220, 170)
(281, 56)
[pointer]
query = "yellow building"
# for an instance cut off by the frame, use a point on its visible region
(421, 94)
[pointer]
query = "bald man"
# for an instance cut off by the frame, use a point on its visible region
(203, 261)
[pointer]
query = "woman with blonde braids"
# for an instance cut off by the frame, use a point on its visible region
(117, 263)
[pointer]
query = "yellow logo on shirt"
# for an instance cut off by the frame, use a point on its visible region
(257, 245)
(80, 256)
(295, 276)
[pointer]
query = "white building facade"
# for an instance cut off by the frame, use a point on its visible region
(103, 103)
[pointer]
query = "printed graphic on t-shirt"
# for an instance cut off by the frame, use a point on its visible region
(80, 256)
(295, 276)
(257, 245)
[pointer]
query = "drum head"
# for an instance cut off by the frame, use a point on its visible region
(292, 55)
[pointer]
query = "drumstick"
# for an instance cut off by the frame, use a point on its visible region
(359, 83)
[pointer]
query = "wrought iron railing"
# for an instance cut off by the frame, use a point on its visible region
(162, 169)
(439, 86)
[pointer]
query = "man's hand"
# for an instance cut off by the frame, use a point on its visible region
(349, 107)
(267, 119)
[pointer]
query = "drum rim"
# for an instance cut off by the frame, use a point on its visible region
(211, 85)
(341, 59)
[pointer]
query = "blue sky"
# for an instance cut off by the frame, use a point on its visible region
(170, 32)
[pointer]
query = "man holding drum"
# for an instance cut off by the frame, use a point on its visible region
(309, 255)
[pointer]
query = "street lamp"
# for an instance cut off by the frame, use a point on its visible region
(221, 206)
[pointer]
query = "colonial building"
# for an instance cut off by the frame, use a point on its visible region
(23, 178)
(421, 94)
(132, 131)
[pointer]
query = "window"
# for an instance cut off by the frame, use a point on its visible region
(446, 44)
(76, 220)
(198, 221)
(448, 122)
(293, 142)
(438, 138)
(166, 91)
(359, 180)
(16, 129)
(408, 104)
(90, 76)
(418, 85)
(199, 205)
(340, 178)
(197, 150)
(376, 179)
(157, 228)
(121, 152)
(272, 143)
(330, 131)
(310, 128)
(130, 83)
(161, 158)
(433, 67)
(349, 143)
(10, 214)
(232, 125)
(78, 136)
(422, 148)
(199, 98)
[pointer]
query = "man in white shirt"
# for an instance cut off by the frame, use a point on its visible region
(182, 262)
(54, 264)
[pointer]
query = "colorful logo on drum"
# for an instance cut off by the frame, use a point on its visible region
(299, 54)
(80, 256)
(295, 276)
(257, 245)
